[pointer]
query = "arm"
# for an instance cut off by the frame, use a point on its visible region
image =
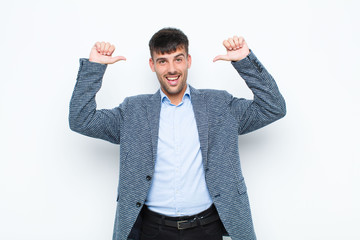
(83, 116)
(268, 104)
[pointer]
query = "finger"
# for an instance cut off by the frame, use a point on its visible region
(98, 46)
(227, 44)
(241, 41)
(236, 42)
(102, 47)
(111, 50)
(232, 43)
(220, 57)
(106, 49)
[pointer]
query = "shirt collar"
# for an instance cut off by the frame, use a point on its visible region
(165, 98)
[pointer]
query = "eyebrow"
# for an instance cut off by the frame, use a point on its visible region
(179, 55)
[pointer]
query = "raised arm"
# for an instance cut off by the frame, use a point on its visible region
(84, 118)
(268, 104)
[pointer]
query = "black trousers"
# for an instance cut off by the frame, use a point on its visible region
(153, 228)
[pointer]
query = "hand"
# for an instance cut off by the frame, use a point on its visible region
(236, 48)
(102, 53)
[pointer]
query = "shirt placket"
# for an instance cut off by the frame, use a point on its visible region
(177, 157)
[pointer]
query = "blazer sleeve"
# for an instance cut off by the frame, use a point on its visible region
(267, 106)
(84, 118)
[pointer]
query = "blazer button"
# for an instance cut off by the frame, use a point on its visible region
(138, 204)
(148, 178)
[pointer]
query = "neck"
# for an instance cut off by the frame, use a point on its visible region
(176, 99)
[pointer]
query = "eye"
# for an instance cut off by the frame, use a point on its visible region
(162, 62)
(178, 60)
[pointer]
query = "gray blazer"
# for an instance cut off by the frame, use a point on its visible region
(220, 118)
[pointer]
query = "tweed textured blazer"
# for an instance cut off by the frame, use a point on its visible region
(220, 118)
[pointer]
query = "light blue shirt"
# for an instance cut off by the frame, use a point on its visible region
(178, 186)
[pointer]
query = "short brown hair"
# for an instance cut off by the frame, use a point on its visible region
(168, 40)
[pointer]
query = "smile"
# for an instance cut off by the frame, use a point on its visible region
(173, 78)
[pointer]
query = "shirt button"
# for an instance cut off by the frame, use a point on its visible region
(138, 204)
(148, 178)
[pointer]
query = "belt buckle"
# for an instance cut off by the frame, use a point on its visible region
(178, 224)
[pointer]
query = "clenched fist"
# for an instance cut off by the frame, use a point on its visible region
(236, 48)
(102, 52)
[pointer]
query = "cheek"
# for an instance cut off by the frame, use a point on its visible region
(159, 74)
(160, 70)
(185, 69)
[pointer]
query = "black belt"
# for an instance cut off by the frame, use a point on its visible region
(208, 216)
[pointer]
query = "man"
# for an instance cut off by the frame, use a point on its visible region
(180, 175)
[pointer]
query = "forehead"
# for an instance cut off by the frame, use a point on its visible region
(178, 52)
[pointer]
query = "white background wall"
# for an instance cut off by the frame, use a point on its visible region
(302, 172)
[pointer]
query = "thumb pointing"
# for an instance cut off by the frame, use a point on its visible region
(220, 57)
(118, 58)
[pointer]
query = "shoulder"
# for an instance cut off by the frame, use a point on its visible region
(213, 92)
(141, 99)
(214, 95)
(137, 104)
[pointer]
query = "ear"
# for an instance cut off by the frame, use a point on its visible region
(152, 64)
(189, 60)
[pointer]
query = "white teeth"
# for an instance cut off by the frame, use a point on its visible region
(172, 78)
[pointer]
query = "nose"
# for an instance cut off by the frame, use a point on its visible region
(171, 68)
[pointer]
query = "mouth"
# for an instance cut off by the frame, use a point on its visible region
(172, 80)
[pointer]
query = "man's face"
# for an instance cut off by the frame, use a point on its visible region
(171, 70)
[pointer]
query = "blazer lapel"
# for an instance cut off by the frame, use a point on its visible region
(201, 116)
(153, 113)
